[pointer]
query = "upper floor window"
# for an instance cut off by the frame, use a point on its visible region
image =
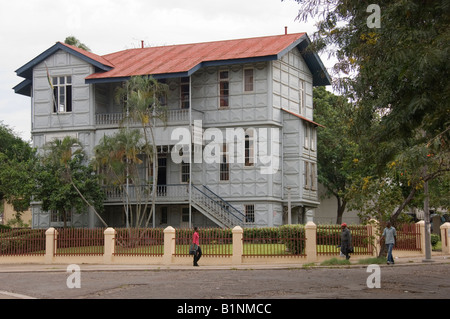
(62, 94)
(249, 152)
(224, 89)
(248, 80)
(302, 98)
(185, 172)
(224, 166)
(310, 176)
(185, 92)
(309, 137)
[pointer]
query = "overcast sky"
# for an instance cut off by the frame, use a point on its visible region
(29, 27)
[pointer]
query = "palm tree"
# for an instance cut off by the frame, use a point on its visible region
(124, 156)
(71, 40)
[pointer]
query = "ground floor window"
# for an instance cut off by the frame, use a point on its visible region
(249, 213)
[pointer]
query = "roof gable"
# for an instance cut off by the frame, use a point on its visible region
(26, 70)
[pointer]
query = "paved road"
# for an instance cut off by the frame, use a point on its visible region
(409, 281)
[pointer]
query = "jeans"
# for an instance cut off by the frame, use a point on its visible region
(389, 248)
(197, 256)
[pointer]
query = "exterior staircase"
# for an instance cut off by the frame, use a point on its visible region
(216, 208)
(203, 199)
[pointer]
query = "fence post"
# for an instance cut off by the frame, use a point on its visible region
(445, 238)
(311, 242)
(110, 245)
(238, 245)
(169, 245)
(50, 244)
(421, 241)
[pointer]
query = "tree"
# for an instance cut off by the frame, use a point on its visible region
(17, 166)
(397, 76)
(65, 182)
(128, 155)
(335, 146)
(71, 40)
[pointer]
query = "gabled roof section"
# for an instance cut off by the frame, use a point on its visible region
(26, 71)
(184, 60)
(94, 59)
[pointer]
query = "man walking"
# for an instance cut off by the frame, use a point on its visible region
(346, 241)
(390, 236)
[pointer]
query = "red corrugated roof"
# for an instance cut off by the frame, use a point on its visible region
(185, 57)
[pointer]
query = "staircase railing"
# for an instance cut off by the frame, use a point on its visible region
(211, 204)
(216, 206)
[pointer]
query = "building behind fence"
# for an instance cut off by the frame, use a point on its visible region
(169, 246)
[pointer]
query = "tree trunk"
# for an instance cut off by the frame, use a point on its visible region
(340, 209)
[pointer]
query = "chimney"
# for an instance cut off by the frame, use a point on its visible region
(142, 44)
(285, 30)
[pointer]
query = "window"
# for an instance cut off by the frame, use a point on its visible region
(224, 166)
(309, 137)
(249, 150)
(309, 176)
(185, 170)
(184, 90)
(306, 140)
(224, 89)
(302, 98)
(163, 215)
(56, 217)
(249, 213)
(185, 214)
(62, 94)
(248, 80)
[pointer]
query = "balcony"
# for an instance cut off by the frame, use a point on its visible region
(177, 193)
(180, 116)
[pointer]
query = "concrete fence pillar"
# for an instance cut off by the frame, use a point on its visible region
(238, 245)
(311, 242)
(110, 245)
(422, 236)
(445, 238)
(50, 244)
(169, 245)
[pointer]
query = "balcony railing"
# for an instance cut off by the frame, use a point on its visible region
(173, 116)
(164, 193)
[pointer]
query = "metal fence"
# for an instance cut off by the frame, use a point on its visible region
(408, 237)
(328, 239)
(22, 242)
(281, 241)
(79, 242)
(213, 241)
(139, 242)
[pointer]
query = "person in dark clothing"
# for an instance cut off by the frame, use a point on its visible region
(346, 241)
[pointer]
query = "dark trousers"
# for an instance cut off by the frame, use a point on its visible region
(197, 255)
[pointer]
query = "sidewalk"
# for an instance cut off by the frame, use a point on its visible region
(14, 268)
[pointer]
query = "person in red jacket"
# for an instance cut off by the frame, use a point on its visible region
(195, 240)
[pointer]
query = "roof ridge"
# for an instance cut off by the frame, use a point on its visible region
(208, 42)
